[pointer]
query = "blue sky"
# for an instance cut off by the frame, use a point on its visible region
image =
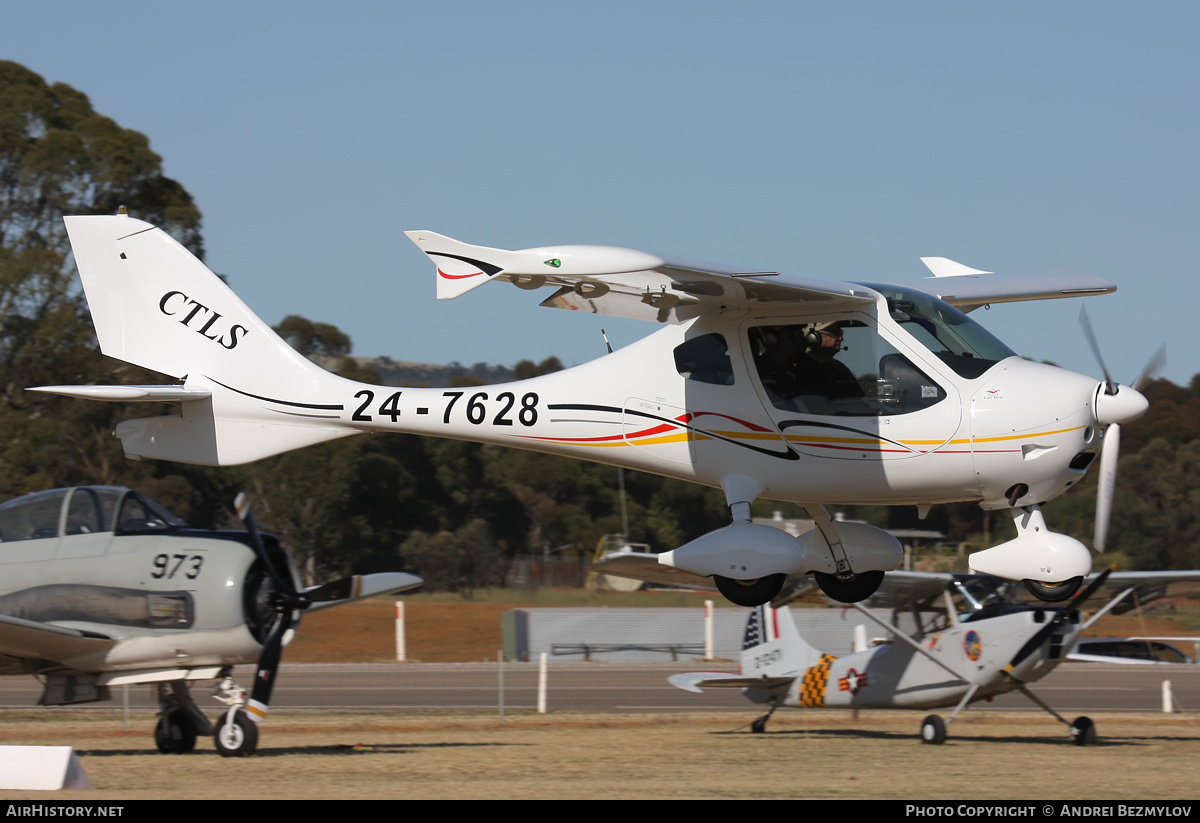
(836, 140)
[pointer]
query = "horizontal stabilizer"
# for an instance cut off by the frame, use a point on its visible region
(698, 681)
(128, 394)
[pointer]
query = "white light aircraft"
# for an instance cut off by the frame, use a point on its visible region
(760, 384)
(101, 586)
(980, 644)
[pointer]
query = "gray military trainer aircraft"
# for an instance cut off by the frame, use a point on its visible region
(101, 586)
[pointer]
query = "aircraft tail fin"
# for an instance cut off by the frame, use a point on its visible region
(772, 645)
(246, 394)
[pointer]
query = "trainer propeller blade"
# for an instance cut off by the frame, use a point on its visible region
(284, 601)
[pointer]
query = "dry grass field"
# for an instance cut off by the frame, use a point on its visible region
(576, 756)
(812, 755)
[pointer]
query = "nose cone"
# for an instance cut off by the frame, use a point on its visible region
(1125, 406)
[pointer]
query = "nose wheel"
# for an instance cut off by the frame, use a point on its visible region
(1053, 592)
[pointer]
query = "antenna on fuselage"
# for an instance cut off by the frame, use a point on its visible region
(606, 343)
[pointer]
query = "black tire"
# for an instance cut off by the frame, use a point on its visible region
(1053, 592)
(933, 730)
(236, 739)
(175, 734)
(750, 592)
(851, 589)
(760, 724)
(1083, 732)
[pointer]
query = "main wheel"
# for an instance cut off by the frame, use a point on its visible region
(933, 730)
(175, 733)
(851, 588)
(1053, 592)
(238, 738)
(750, 592)
(1083, 732)
(760, 724)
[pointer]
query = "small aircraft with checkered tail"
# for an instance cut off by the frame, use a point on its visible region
(981, 643)
(762, 384)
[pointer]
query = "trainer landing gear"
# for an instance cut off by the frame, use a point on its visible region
(180, 721)
(236, 735)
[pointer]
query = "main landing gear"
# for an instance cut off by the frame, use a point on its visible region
(933, 729)
(750, 592)
(180, 720)
(849, 588)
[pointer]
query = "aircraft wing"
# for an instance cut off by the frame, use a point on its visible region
(30, 640)
(698, 681)
(625, 282)
(1147, 586)
(969, 288)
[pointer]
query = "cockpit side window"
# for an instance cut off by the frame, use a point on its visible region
(139, 514)
(841, 367)
(705, 359)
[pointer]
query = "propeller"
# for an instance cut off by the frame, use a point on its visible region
(1061, 616)
(1113, 405)
(286, 600)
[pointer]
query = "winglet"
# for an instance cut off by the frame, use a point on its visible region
(945, 267)
(460, 267)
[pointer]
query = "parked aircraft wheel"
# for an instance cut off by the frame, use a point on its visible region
(760, 724)
(238, 738)
(750, 592)
(1083, 732)
(933, 730)
(1053, 592)
(175, 733)
(849, 589)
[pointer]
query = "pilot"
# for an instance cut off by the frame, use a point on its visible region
(819, 372)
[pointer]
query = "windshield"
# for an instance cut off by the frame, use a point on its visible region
(957, 340)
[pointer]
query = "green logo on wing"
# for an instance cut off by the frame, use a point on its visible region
(554, 262)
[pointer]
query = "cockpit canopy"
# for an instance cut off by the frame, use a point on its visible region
(83, 510)
(953, 337)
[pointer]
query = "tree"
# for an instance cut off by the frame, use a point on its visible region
(59, 157)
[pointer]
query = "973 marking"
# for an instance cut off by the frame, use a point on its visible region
(169, 565)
